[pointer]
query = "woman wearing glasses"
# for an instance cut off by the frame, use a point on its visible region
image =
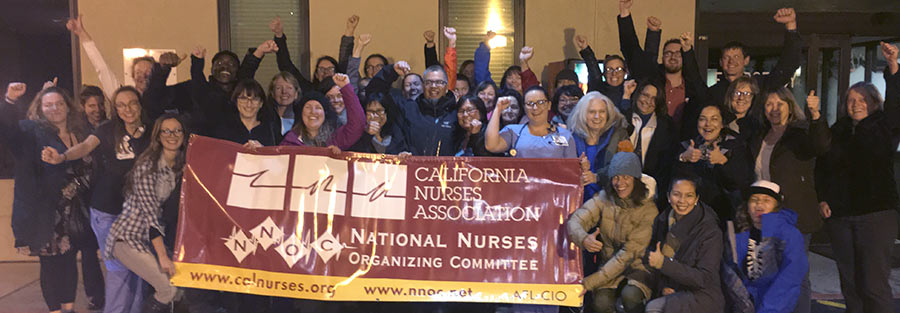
(382, 132)
(564, 101)
(536, 139)
(113, 147)
(739, 113)
(142, 229)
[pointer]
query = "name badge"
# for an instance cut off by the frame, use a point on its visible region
(560, 141)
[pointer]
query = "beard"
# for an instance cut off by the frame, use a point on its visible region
(672, 69)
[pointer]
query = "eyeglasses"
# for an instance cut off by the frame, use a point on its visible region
(325, 70)
(568, 99)
(435, 83)
(614, 69)
(738, 94)
(535, 104)
(670, 54)
(375, 67)
(375, 112)
(469, 111)
(171, 132)
(244, 99)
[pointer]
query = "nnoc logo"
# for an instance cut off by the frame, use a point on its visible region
(318, 185)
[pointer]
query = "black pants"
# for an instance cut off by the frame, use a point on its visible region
(91, 274)
(59, 279)
(862, 248)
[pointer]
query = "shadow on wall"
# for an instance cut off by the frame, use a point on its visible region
(569, 52)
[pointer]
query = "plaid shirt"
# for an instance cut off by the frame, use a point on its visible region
(142, 209)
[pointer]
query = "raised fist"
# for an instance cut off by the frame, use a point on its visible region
(488, 36)
(340, 80)
(450, 33)
(526, 54)
(401, 67)
(364, 39)
(581, 42)
(687, 41)
(15, 90)
(787, 17)
(267, 46)
(630, 86)
(503, 103)
(276, 27)
(890, 55)
(352, 21)
(625, 8)
(199, 52)
(170, 59)
(429, 36)
(654, 24)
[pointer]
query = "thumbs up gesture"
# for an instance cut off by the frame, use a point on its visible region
(812, 102)
(716, 156)
(656, 257)
(692, 154)
(590, 242)
(587, 177)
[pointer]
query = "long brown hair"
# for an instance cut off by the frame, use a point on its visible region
(119, 130)
(75, 121)
(152, 154)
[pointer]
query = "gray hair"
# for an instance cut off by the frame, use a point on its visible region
(436, 68)
(577, 121)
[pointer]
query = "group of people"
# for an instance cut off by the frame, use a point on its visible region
(696, 198)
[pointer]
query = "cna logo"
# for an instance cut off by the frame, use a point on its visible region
(317, 185)
(291, 249)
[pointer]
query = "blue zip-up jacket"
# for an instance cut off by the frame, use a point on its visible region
(781, 260)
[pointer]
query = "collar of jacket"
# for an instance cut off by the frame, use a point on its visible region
(687, 225)
(443, 105)
(774, 222)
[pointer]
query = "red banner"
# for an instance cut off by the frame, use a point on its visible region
(299, 222)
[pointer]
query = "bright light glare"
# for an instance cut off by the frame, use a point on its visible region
(134, 53)
(498, 41)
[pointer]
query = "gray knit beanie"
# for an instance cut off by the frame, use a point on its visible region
(625, 163)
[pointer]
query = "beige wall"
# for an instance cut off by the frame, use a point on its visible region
(546, 23)
(396, 28)
(7, 251)
(160, 24)
(399, 36)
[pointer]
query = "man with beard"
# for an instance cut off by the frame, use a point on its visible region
(684, 85)
(427, 120)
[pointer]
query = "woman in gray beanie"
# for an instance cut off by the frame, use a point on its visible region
(617, 222)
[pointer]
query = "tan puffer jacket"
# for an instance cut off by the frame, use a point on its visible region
(625, 231)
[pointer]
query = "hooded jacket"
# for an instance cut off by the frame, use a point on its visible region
(693, 250)
(779, 264)
(625, 229)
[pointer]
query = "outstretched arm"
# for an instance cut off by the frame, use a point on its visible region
(595, 77)
(108, 80)
(283, 56)
(483, 60)
(346, 47)
(791, 53)
(450, 57)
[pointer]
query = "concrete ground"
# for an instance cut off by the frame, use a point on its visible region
(20, 290)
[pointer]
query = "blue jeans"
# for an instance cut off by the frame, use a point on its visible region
(124, 289)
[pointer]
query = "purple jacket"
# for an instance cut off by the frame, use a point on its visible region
(345, 136)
